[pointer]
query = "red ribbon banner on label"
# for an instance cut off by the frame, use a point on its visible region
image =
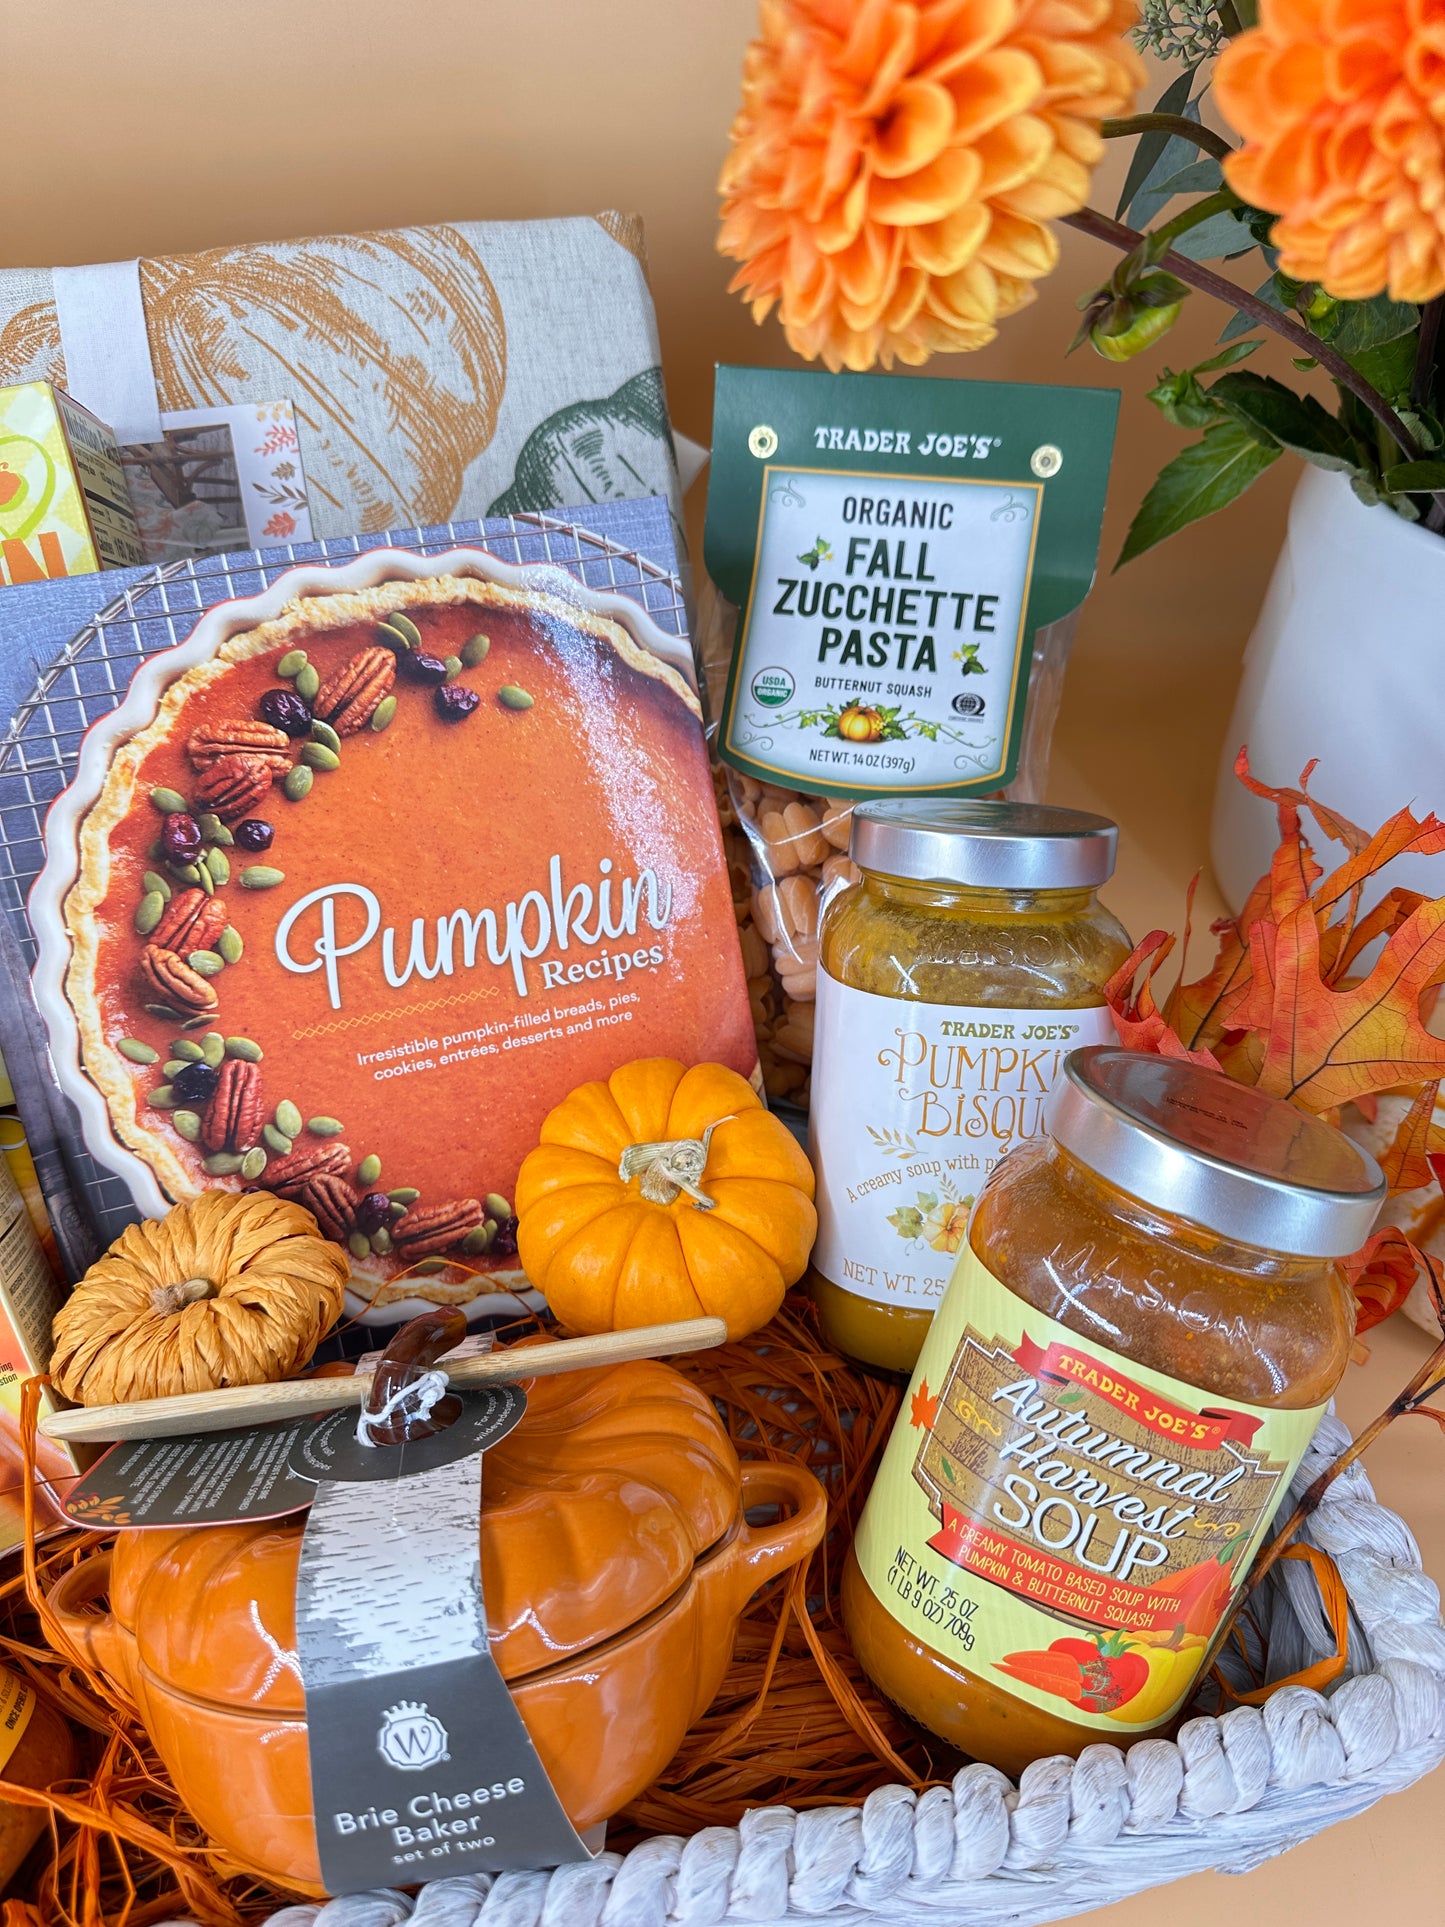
(1204, 1431)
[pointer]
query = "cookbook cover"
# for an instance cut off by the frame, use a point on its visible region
(356, 857)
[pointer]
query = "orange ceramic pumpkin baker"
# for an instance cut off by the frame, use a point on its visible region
(616, 1557)
(665, 1193)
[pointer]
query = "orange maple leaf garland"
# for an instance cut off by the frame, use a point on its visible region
(1284, 1007)
(1279, 1007)
(1380, 1274)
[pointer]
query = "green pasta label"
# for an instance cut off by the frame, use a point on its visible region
(895, 544)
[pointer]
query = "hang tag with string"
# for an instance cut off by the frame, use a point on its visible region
(421, 1764)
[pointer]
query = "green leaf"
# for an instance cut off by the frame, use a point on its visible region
(1296, 422)
(1389, 368)
(1226, 358)
(1200, 177)
(1269, 293)
(1157, 156)
(1219, 238)
(1414, 478)
(1355, 326)
(1201, 479)
(1423, 426)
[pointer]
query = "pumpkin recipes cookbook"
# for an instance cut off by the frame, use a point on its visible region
(425, 842)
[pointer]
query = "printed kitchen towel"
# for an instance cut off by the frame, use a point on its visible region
(437, 373)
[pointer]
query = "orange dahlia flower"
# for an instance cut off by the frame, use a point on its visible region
(894, 164)
(1342, 107)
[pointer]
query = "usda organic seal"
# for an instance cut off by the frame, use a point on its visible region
(772, 687)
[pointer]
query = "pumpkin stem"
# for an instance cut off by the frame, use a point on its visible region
(166, 1299)
(670, 1166)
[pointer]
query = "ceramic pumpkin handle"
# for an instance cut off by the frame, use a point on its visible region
(770, 1549)
(94, 1638)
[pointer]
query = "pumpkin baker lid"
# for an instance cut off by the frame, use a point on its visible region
(595, 1509)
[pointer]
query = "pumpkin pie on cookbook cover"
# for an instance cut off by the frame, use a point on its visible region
(375, 882)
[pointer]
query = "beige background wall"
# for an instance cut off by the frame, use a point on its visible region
(165, 125)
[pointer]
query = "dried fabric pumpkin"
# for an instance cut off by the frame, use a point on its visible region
(224, 1290)
(665, 1193)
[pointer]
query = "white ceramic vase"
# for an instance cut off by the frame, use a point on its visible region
(1346, 664)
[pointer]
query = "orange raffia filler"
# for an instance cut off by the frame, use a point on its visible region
(795, 1721)
(1342, 107)
(894, 164)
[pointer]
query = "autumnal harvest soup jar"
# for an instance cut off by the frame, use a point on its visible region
(1144, 1326)
(954, 977)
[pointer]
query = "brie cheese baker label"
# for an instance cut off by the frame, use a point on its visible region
(885, 638)
(913, 1105)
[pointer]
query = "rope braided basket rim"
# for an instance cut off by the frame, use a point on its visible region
(1231, 1792)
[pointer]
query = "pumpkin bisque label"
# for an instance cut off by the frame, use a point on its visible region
(1070, 1526)
(913, 1105)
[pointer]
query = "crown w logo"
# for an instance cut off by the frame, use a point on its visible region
(411, 1738)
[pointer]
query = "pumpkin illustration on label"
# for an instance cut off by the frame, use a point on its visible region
(368, 892)
(860, 725)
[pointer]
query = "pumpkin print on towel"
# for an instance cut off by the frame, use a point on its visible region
(590, 451)
(302, 319)
(419, 398)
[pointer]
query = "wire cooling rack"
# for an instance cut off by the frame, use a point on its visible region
(89, 678)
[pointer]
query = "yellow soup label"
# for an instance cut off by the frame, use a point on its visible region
(17, 1703)
(1068, 1525)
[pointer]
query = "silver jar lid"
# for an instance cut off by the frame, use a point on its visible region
(1191, 1141)
(988, 846)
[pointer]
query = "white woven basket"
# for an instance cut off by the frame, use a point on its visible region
(1073, 1834)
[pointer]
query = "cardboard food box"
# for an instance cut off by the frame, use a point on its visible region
(352, 870)
(64, 509)
(30, 1296)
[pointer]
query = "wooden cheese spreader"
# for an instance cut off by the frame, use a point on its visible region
(163, 1418)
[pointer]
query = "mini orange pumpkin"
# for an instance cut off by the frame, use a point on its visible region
(665, 1193)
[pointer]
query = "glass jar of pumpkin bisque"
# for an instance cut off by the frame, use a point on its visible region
(1144, 1326)
(971, 956)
